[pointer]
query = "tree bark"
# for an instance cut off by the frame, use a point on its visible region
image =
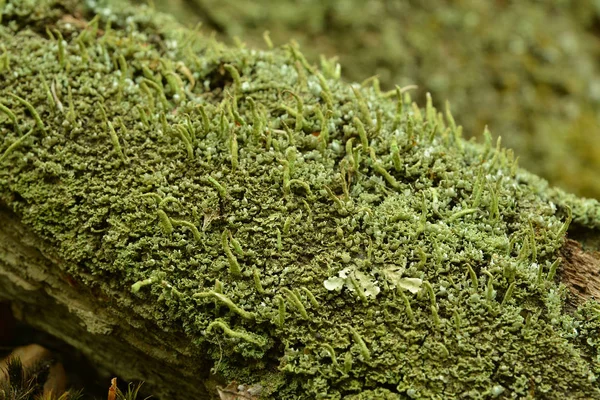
(106, 332)
(118, 342)
(580, 271)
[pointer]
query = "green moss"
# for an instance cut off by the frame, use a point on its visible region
(397, 195)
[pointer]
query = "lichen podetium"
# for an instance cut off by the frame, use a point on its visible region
(391, 199)
(500, 62)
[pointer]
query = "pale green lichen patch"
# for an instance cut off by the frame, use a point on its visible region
(500, 62)
(224, 209)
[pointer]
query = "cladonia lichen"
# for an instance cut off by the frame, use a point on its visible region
(432, 235)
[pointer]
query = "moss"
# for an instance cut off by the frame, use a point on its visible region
(387, 204)
(500, 63)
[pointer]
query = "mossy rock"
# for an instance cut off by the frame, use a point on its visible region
(501, 63)
(242, 215)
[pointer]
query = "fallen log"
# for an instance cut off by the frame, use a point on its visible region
(212, 219)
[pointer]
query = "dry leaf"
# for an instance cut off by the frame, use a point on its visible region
(112, 391)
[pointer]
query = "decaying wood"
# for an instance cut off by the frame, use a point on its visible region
(580, 271)
(106, 333)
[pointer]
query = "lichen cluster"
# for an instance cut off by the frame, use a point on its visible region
(311, 236)
(526, 69)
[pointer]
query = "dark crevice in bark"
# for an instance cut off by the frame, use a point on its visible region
(588, 237)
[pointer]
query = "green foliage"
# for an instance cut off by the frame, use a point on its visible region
(132, 392)
(394, 188)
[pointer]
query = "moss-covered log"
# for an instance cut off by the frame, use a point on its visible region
(192, 214)
(500, 62)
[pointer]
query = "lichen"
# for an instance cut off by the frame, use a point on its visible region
(239, 240)
(500, 63)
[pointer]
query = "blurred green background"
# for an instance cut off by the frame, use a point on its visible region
(528, 69)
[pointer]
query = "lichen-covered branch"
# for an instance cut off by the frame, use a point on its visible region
(389, 258)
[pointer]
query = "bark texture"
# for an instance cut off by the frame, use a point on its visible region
(581, 271)
(109, 335)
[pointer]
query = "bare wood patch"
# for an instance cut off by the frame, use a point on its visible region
(580, 272)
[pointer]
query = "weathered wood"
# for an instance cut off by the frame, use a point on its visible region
(107, 333)
(580, 271)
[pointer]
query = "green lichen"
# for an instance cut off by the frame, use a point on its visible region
(397, 195)
(500, 63)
